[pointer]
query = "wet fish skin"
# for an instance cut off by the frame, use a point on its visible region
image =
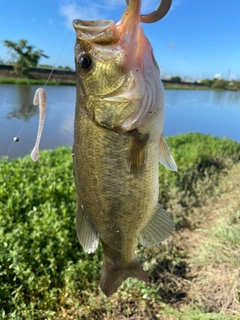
(117, 145)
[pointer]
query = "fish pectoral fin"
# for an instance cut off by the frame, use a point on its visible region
(164, 155)
(87, 235)
(158, 229)
(137, 152)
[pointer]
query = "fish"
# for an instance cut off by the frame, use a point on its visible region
(118, 144)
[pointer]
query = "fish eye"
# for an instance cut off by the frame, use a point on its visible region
(85, 61)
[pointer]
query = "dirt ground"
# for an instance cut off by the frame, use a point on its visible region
(212, 277)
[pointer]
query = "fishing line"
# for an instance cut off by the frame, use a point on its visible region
(17, 138)
(57, 59)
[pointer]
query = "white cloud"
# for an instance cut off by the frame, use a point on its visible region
(166, 76)
(85, 12)
(94, 10)
(217, 76)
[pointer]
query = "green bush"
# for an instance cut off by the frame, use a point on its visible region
(41, 262)
(220, 84)
(199, 157)
(207, 82)
(39, 248)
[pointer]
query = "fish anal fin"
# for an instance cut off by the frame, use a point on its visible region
(159, 228)
(137, 152)
(113, 276)
(165, 157)
(87, 235)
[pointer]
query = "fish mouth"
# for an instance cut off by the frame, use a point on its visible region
(97, 31)
(107, 32)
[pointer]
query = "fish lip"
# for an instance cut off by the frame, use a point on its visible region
(98, 31)
(92, 25)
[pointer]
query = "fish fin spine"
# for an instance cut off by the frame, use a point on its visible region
(164, 155)
(159, 228)
(86, 233)
(113, 276)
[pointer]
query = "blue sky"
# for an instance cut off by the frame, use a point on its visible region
(197, 39)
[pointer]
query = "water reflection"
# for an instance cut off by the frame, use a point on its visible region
(209, 112)
(213, 112)
(226, 98)
(22, 106)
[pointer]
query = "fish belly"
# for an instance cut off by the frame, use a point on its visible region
(118, 203)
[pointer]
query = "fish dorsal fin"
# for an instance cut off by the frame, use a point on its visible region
(87, 235)
(164, 155)
(158, 229)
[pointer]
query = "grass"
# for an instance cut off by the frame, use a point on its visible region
(33, 81)
(195, 313)
(62, 82)
(44, 274)
(182, 86)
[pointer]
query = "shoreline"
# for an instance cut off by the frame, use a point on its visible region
(63, 82)
(59, 77)
(40, 76)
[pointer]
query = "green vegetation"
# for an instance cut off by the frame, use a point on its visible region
(46, 66)
(222, 84)
(24, 56)
(214, 84)
(44, 274)
(34, 81)
(176, 79)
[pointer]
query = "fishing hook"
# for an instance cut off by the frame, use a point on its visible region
(157, 14)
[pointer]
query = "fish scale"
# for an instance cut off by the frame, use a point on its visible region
(108, 183)
(118, 144)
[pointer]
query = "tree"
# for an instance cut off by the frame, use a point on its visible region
(220, 84)
(176, 79)
(207, 82)
(24, 56)
(234, 85)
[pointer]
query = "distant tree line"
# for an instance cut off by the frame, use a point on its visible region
(24, 57)
(47, 66)
(221, 84)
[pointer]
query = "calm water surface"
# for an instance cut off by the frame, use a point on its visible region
(216, 113)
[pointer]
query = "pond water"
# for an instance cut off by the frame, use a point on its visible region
(211, 112)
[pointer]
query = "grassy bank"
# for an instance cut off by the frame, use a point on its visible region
(34, 81)
(61, 82)
(44, 274)
(183, 86)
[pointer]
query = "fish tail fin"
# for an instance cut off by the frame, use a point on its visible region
(113, 276)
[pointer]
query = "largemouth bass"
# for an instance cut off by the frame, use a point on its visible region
(118, 144)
